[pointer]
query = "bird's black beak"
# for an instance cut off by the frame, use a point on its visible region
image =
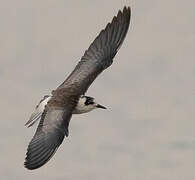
(100, 106)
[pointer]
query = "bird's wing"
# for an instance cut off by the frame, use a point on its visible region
(36, 115)
(48, 137)
(99, 55)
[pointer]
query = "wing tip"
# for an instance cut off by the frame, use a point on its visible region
(126, 12)
(122, 20)
(38, 155)
(35, 164)
(127, 9)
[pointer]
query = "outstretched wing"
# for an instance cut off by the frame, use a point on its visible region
(99, 55)
(48, 137)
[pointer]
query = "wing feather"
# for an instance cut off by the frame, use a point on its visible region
(50, 133)
(99, 55)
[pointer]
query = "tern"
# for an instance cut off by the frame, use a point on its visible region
(55, 111)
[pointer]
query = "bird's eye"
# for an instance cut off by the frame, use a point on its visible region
(89, 101)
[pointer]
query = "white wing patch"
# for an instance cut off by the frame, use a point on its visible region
(36, 115)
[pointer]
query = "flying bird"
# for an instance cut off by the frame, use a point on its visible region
(55, 111)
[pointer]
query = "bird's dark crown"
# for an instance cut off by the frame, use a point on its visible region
(89, 100)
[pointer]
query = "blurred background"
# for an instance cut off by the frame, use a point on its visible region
(147, 133)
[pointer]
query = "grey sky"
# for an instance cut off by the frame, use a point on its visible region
(147, 133)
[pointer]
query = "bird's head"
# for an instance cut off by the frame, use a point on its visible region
(90, 101)
(87, 104)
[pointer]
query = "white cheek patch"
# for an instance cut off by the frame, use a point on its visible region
(82, 107)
